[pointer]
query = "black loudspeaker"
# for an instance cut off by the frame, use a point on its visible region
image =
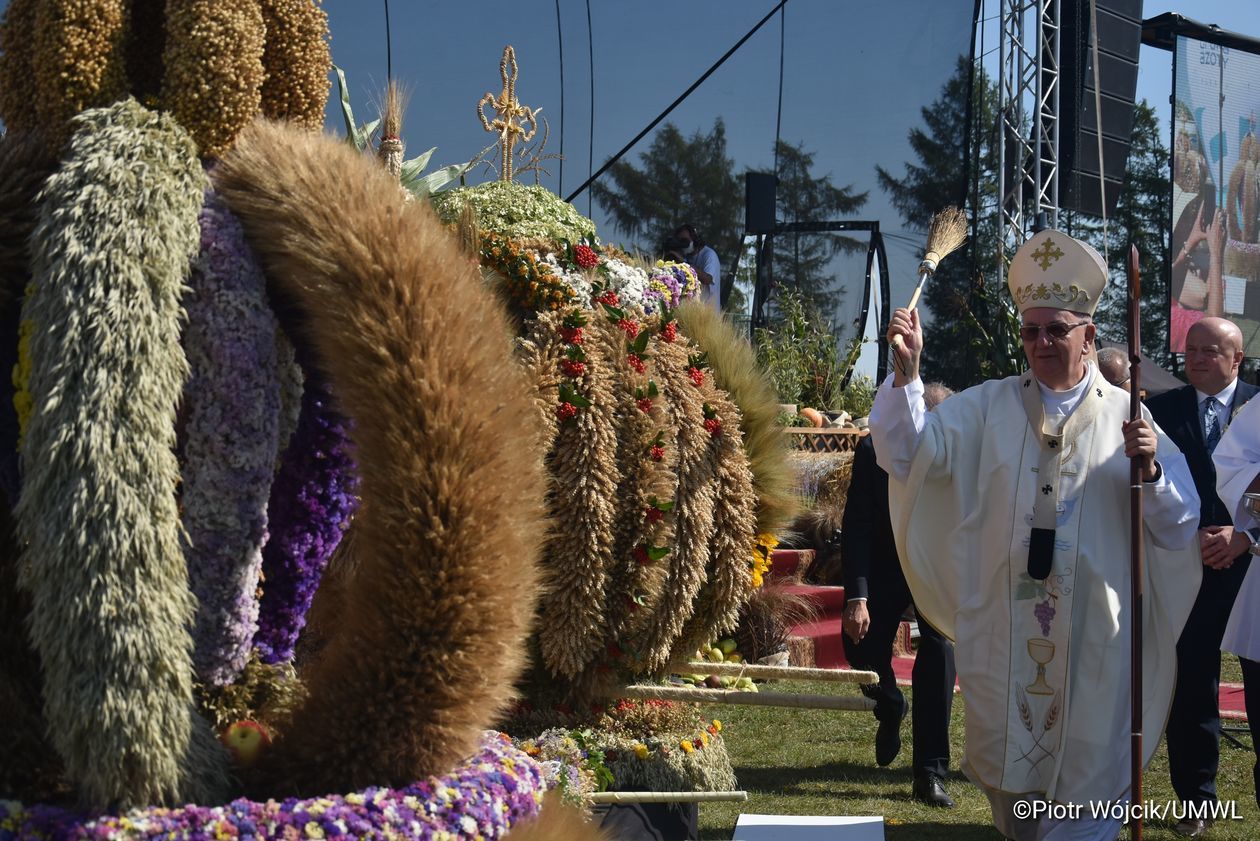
(1119, 40)
(759, 201)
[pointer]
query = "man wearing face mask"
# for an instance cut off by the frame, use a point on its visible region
(704, 260)
(1010, 509)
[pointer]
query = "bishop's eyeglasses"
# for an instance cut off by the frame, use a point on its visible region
(1056, 331)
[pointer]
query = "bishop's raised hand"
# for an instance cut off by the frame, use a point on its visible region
(905, 337)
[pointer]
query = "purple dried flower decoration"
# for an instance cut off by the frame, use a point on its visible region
(496, 789)
(312, 501)
(232, 406)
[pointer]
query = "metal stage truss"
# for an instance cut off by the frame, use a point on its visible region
(1028, 105)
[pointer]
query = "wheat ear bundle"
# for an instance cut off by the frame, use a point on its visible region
(947, 232)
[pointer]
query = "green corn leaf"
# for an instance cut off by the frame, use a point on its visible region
(424, 186)
(411, 169)
(347, 113)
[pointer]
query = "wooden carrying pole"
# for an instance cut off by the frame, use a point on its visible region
(668, 797)
(754, 670)
(1136, 571)
(854, 703)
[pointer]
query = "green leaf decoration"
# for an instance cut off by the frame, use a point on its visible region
(424, 186)
(347, 113)
(411, 169)
(356, 135)
(655, 553)
(639, 345)
(652, 392)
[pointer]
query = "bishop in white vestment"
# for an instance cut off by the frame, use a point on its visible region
(1010, 507)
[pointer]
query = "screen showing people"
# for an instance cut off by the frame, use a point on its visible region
(1215, 244)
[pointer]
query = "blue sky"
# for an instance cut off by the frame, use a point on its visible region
(856, 75)
(845, 58)
(848, 64)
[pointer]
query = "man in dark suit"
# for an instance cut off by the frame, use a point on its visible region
(1194, 418)
(876, 596)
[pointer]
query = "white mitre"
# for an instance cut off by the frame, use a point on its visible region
(1054, 270)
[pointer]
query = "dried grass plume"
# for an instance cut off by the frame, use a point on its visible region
(418, 355)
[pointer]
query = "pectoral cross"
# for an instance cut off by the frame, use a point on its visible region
(512, 116)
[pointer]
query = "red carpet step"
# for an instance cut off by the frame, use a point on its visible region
(822, 637)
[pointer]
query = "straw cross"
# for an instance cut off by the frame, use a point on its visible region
(511, 117)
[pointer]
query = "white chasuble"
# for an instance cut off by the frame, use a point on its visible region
(1237, 460)
(1043, 664)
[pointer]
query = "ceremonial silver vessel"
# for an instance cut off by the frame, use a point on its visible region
(1252, 501)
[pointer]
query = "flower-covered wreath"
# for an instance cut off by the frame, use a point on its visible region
(494, 790)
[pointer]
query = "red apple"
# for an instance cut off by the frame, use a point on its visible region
(245, 740)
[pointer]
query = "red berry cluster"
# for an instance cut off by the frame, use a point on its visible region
(586, 256)
(669, 332)
(608, 298)
(653, 514)
(697, 377)
(636, 363)
(713, 426)
(644, 404)
(656, 453)
(630, 328)
(574, 366)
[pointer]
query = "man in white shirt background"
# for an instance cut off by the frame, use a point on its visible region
(705, 261)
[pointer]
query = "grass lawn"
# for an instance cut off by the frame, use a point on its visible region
(822, 762)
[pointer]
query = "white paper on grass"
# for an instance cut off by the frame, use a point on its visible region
(808, 828)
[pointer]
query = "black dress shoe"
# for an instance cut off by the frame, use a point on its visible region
(1192, 827)
(930, 789)
(888, 734)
